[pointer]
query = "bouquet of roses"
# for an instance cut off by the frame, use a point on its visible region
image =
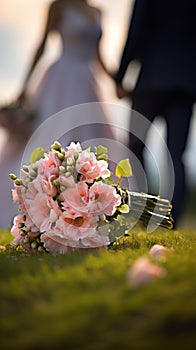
(69, 201)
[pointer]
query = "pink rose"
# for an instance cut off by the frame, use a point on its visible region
(90, 168)
(143, 271)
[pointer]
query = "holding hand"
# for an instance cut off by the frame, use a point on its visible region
(121, 92)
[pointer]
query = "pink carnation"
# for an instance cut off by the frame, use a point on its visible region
(101, 199)
(56, 241)
(54, 244)
(66, 181)
(90, 168)
(49, 165)
(76, 198)
(43, 211)
(73, 148)
(48, 187)
(15, 231)
(18, 197)
(76, 227)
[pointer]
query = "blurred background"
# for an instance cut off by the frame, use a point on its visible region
(21, 25)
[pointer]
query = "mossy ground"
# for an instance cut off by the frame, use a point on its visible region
(84, 301)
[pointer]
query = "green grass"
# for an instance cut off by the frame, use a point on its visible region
(84, 301)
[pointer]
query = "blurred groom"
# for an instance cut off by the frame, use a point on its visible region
(162, 37)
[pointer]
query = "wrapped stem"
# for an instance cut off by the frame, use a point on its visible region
(149, 208)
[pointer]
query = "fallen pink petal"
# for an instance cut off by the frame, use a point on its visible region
(143, 271)
(158, 250)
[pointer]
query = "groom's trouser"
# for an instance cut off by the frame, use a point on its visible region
(176, 109)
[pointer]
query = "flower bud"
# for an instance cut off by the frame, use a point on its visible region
(56, 146)
(18, 182)
(67, 174)
(26, 240)
(24, 190)
(25, 168)
(56, 183)
(33, 173)
(76, 155)
(69, 161)
(40, 249)
(21, 225)
(62, 188)
(22, 232)
(35, 168)
(62, 169)
(59, 155)
(13, 176)
(34, 245)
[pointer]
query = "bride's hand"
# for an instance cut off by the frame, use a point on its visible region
(121, 92)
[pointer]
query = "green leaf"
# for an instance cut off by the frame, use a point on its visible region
(123, 168)
(103, 156)
(37, 154)
(100, 150)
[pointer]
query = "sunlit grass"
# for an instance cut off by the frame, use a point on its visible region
(84, 301)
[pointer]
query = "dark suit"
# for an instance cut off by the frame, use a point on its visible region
(162, 38)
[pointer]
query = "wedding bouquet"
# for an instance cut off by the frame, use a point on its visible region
(68, 201)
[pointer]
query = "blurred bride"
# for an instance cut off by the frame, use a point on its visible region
(71, 79)
(67, 82)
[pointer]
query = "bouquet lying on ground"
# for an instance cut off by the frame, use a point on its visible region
(68, 201)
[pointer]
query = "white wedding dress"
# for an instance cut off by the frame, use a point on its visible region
(70, 81)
